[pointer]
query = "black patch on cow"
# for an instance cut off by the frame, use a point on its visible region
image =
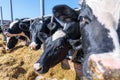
(0, 29)
(53, 54)
(12, 42)
(72, 30)
(15, 29)
(95, 37)
(118, 31)
(22, 38)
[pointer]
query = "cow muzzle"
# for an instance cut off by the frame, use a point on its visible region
(37, 67)
(32, 46)
(7, 34)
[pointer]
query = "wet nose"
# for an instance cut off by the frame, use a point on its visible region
(36, 66)
(32, 45)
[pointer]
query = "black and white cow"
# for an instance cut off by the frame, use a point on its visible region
(98, 24)
(42, 29)
(61, 41)
(98, 36)
(56, 50)
(34, 29)
(18, 28)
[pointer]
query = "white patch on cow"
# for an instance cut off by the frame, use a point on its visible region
(8, 38)
(36, 66)
(41, 21)
(12, 23)
(64, 27)
(58, 34)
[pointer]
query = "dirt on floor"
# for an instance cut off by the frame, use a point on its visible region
(18, 65)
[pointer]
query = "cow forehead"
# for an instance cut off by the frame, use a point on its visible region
(58, 34)
(11, 24)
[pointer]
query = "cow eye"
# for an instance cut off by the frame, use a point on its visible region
(84, 20)
(56, 48)
(81, 18)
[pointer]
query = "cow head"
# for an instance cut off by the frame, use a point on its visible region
(99, 40)
(57, 47)
(42, 29)
(11, 43)
(35, 27)
(55, 51)
(17, 28)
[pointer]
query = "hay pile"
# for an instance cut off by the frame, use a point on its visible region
(18, 65)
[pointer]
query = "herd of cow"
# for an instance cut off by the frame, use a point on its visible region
(91, 34)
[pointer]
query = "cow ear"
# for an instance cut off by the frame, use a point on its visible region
(86, 14)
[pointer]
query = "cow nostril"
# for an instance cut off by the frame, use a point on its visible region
(37, 67)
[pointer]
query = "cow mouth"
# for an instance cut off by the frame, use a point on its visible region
(7, 34)
(8, 50)
(40, 69)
